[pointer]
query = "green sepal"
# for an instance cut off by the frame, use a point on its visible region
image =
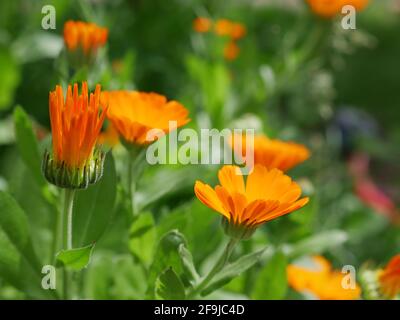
(237, 230)
(63, 176)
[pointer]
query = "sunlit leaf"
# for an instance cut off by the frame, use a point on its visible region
(75, 259)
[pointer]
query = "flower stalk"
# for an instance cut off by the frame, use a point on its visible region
(69, 195)
(134, 169)
(219, 265)
(131, 184)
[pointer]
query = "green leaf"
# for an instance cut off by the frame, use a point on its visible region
(19, 264)
(98, 277)
(166, 256)
(316, 244)
(169, 286)
(40, 212)
(94, 207)
(17, 271)
(195, 221)
(112, 276)
(14, 223)
(9, 78)
(202, 225)
(128, 279)
(187, 264)
(27, 144)
(271, 283)
(176, 219)
(232, 270)
(75, 259)
(173, 182)
(9, 259)
(143, 237)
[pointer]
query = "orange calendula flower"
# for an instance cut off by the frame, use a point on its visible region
(87, 36)
(231, 51)
(75, 125)
(136, 115)
(389, 278)
(273, 153)
(358, 4)
(266, 195)
(330, 8)
(234, 30)
(238, 31)
(326, 8)
(202, 24)
(223, 27)
(320, 280)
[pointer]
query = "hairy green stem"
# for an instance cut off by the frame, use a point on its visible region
(57, 235)
(221, 262)
(131, 187)
(68, 208)
(67, 239)
(135, 170)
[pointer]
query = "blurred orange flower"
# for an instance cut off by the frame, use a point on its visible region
(231, 51)
(331, 8)
(358, 4)
(325, 8)
(322, 281)
(134, 114)
(273, 153)
(87, 36)
(75, 124)
(234, 30)
(389, 277)
(238, 31)
(202, 24)
(223, 27)
(267, 195)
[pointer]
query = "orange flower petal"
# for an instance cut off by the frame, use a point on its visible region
(230, 179)
(136, 115)
(75, 124)
(389, 278)
(209, 197)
